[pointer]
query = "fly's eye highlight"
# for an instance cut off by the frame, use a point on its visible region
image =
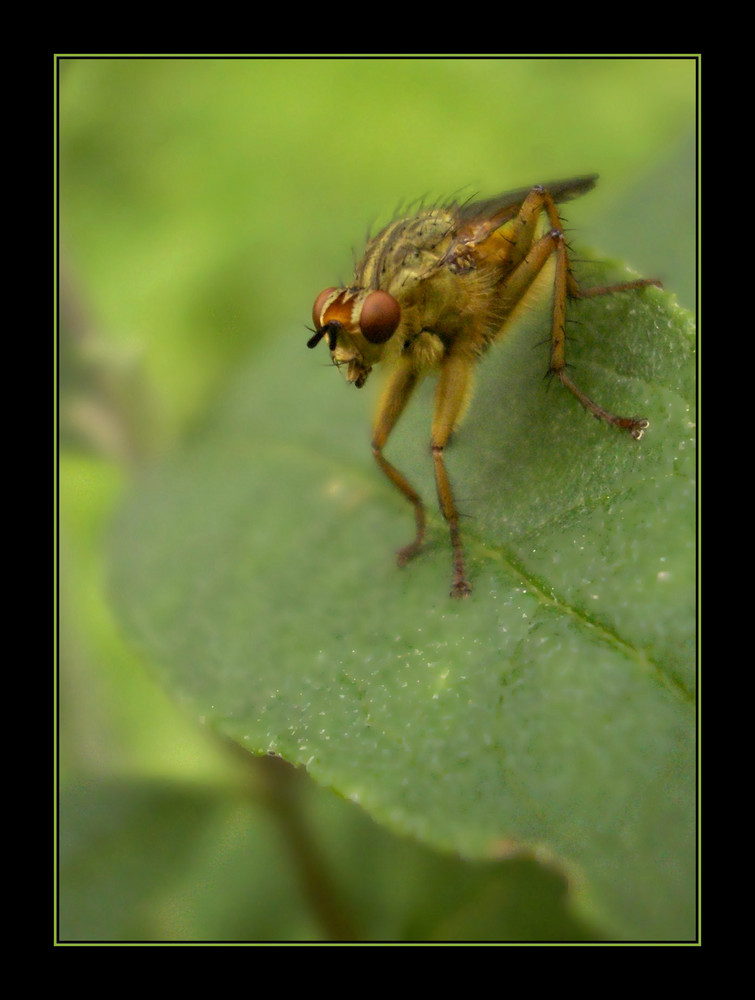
(379, 317)
(320, 301)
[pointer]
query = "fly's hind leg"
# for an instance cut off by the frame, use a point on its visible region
(565, 287)
(522, 233)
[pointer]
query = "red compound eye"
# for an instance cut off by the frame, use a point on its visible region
(379, 317)
(319, 303)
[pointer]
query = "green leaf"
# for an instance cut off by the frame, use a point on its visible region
(155, 861)
(162, 861)
(552, 713)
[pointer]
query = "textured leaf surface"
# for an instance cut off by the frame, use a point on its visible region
(553, 711)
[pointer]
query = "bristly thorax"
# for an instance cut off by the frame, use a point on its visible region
(405, 252)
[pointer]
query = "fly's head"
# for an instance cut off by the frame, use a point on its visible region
(357, 325)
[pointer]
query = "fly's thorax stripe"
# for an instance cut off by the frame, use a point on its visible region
(371, 269)
(405, 244)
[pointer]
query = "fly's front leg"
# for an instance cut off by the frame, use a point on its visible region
(399, 387)
(450, 397)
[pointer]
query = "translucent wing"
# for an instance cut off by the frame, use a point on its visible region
(478, 219)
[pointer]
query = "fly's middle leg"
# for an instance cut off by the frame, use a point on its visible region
(450, 399)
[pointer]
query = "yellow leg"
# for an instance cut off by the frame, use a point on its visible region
(528, 255)
(450, 397)
(516, 285)
(396, 393)
(565, 286)
(635, 426)
(521, 231)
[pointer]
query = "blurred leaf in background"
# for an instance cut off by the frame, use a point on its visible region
(203, 204)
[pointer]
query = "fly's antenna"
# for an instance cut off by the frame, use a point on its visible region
(317, 336)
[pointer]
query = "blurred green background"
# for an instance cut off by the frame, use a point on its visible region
(203, 203)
